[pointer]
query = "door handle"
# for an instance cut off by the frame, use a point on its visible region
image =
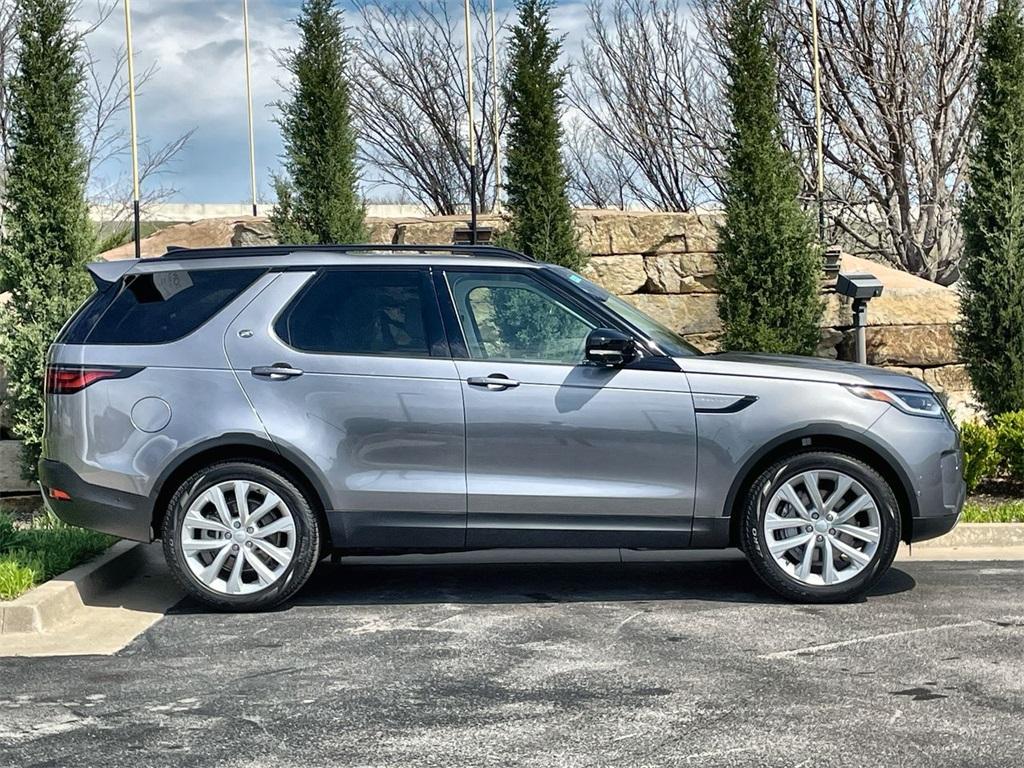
(276, 372)
(496, 381)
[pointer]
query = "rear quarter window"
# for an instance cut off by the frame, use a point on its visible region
(156, 308)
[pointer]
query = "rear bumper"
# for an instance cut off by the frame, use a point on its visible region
(91, 506)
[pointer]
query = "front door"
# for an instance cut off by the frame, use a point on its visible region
(560, 453)
(354, 375)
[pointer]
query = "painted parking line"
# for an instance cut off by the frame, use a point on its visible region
(869, 639)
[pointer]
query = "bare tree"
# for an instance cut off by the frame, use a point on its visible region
(411, 100)
(897, 96)
(599, 174)
(106, 141)
(8, 36)
(645, 83)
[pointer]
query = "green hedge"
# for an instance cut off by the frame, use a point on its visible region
(994, 450)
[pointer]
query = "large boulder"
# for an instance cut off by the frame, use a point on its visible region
(681, 273)
(380, 230)
(908, 345)
(439, 229)
(207, 233)
(695, 313)
(906, 299)
(618, 274)
(949, 378)
(607, 233)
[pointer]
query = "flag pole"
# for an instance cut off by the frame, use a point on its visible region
(248, 98)
(494, 113)
(137, 223)
(472, 127)
(818, 129)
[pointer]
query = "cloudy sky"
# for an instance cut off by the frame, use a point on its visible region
(196, 47)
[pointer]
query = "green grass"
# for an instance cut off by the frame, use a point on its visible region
(45, 548)
(1003, 512)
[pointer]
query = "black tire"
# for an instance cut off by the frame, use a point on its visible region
(307, 534)
(764, 564)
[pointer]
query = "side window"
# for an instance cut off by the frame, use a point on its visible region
(357, 312)
(513, 316)
(157, 307)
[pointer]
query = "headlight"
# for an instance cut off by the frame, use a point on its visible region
(914, 403)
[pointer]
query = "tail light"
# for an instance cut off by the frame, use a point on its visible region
(68, 379)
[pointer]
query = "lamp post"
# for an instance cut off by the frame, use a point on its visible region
(472, 126)
(818, 129)
(494, 112)
(137, 223)
(248, 98)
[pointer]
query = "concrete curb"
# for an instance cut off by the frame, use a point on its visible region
(52, 603)
(978, 535)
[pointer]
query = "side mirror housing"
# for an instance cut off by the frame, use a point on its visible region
(609, 348)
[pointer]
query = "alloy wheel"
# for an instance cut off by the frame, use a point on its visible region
(822, 527)
(238, 537)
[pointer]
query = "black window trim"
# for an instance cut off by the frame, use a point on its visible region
(437, 339)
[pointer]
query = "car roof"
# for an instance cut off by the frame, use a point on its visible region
(315, 256)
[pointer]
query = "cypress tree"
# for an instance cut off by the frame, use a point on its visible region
(768, 265)
(991, 335)
(48, 236)
(541, 219)
(317, 197)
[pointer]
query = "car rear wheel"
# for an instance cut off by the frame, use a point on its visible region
(820, 527)
(241, 536)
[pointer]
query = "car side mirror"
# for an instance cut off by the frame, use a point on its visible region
(609, 348)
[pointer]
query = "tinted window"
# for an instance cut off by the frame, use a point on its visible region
(510, 316)
(354, 312)
(157, 308)
(77, 330)
(165, 306)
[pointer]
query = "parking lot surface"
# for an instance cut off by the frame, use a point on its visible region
(576, 664)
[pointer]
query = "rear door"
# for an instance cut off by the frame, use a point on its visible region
(560, 453)
(349, 368)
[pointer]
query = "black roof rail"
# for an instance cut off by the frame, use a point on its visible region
(178, 252)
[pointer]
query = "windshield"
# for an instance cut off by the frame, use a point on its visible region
(670, 342)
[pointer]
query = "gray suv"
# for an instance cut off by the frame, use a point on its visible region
(259, 408)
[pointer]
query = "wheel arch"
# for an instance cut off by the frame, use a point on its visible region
(858, 445)
(240, 447)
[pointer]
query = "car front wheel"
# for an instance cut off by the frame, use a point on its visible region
(820, 527)
(241, 536)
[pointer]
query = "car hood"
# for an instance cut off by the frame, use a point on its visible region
(800, 368)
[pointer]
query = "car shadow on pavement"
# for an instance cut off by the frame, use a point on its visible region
(366, 583)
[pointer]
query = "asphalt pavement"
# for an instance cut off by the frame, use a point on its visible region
(592, 664)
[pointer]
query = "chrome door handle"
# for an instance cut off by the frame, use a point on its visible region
(276, 372)
(495, 381)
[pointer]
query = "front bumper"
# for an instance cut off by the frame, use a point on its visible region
(926, 453)
(91, 506)
(924, 528)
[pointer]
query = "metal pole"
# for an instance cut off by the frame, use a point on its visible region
(819, 133)
(137, 226)
(494, 113)
(860, 321)
(472, 127)
(248, 98)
